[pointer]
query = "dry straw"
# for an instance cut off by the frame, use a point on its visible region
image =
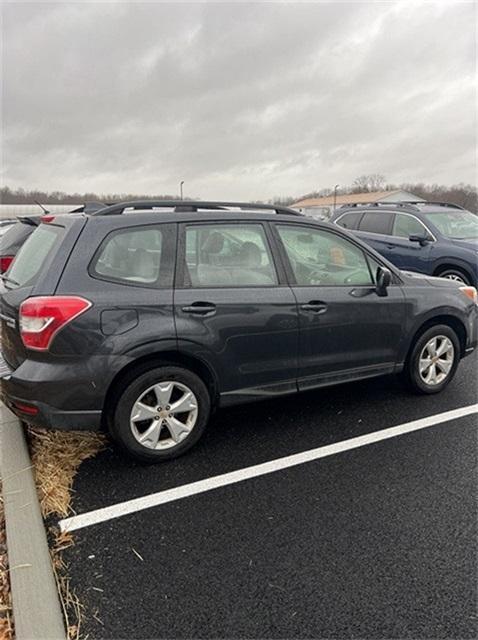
(56, 456)
(6, 621)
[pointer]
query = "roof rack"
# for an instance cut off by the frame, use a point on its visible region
(185, 206)
(450, 205)
(408, 206)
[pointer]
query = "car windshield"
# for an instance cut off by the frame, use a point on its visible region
(459, 225)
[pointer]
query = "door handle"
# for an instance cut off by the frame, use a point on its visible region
(200, 308)
(390, 246)
(316, 306)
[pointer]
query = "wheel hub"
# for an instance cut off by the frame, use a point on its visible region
(436, 360)
(164, 415)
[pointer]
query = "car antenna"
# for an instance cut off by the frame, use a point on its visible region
(45, 211)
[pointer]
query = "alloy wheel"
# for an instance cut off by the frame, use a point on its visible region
(436, 360)
(164, 415)
(455, 277)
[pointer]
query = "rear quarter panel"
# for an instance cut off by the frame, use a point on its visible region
(125, 321)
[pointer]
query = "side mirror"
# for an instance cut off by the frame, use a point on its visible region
(384, 279)
(421, 239)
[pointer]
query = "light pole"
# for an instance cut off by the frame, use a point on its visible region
(181, 188)
(335, 196)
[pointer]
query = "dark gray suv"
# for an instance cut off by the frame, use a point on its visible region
(145, 316)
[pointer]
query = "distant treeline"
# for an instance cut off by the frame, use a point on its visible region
(462, 194)
(26, 196)
(465, 195)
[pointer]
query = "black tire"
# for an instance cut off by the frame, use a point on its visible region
(412, 368)
(455, 274)
(133, 388)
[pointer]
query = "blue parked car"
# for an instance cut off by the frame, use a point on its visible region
(434, 238)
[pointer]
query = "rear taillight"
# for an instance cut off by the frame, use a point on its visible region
(29, 409)
(42, 317)
(47, 219)
(5, 262)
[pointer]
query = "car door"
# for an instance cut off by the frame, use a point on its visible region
(411, 255)
(374, 228)
(347, 330)
(234, 309)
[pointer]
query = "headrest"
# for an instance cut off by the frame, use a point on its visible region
(214, 243)
(250, 255)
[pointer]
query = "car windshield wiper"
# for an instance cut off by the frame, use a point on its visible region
(9, 280)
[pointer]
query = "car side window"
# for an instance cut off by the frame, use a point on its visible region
(376, 222)
(319, 257)
(132, 256)
(350, 220)
(228, 255)
(405, 226)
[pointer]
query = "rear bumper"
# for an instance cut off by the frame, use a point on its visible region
(49, 417)
(64, 395)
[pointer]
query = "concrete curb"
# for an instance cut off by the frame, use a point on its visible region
(36, 605)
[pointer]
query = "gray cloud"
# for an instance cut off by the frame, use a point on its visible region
(239, 100)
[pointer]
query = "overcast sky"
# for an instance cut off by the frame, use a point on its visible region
(240, 100)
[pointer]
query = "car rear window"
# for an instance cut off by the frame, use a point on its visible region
(376, 222)
(350, 220)
(130, 256)
(228, 255)
(30, 259)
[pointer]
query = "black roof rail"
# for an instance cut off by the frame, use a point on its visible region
(181, 206)
(435, 204)
(407, 206)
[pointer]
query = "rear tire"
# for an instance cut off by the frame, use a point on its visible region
(160, 414)
(433, 360)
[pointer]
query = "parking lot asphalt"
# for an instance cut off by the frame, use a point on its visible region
(374, 542)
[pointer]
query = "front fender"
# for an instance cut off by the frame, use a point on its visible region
(438, 315)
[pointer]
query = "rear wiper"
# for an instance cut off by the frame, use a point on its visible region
(9, 280)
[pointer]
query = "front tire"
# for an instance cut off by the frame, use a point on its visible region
(160, 413)
(456, 275)
(433, 360)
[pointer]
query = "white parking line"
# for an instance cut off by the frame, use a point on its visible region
(162, 497)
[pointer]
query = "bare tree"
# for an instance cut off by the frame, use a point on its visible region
(368, 183)
(465, 195)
